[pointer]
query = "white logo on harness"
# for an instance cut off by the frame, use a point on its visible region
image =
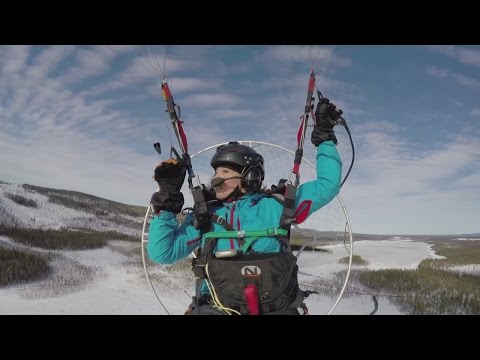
(251, 270)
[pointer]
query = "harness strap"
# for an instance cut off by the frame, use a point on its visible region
(287, 218)
(285, 193)
(247, 233)
(200, 210)
(247, 244)
(251, 296)
(221, 221)
(198, 265)
(251, 236)
(203, 222)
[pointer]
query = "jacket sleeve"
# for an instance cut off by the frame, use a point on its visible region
(315, 194)
(169, 243)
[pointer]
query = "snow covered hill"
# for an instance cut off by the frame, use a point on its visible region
(29, 206)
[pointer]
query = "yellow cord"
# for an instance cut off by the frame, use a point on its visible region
(216, 300)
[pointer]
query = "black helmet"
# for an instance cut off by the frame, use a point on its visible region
(243, 159)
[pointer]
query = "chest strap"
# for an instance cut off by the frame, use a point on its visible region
(221, 221)
(241, 234)
(249, 235)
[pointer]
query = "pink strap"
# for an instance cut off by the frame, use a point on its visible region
(251, 295)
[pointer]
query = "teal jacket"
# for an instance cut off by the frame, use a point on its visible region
(168, 242)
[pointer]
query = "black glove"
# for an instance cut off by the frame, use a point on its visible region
(209, 193)
(167, 201)
(170, 175)
(326, 117)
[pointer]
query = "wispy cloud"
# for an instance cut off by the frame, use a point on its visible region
(467, 81)
(143, 70)
(136, 72)
(14, 59)
(316, 56)
(469, 56)
(228, 113)
(461, 79)
(119, 49)
(436, 71)
(212, 99)
(295, 53)
(179, 85)
(455, 101)
(469, 181)
(48, 61)
(464, 55)
(442, 49)
(381, 126)
(88, 63)
(79, 163)
(476, 111)
(398, 181)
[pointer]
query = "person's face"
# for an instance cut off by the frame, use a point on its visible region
(224, 190)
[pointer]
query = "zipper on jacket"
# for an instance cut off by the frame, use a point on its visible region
(232, 217)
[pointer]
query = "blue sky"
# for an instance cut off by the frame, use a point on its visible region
(85, 117)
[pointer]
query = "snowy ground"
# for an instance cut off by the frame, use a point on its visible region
(473, 269)
(48, 215)
(116, 287)
(384, 254)
(112, 281)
